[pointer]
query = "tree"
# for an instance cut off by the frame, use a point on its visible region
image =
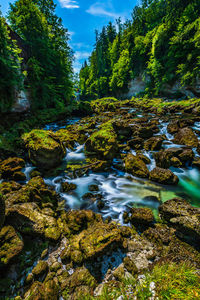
(10, 76)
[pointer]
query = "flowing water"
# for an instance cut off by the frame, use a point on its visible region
(120, 191)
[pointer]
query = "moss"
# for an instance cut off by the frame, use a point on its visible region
(40, 269)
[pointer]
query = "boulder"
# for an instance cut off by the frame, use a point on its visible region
(182, 216)
(163, 176)
(30, 220)
(141, 216)
(67, 187)
(11, 245)
(136, 166)
(176, 157)
(122, 128)
(44, 291)
(40, 269)
(136, 143)
(186, 136)
(103, 142)
(93, 242)
(45, 150)
(11, 168)
(154, 143)
(34, 191)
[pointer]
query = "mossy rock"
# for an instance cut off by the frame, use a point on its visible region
(186, 136)
(11, 245)
(163, 176)
(40, 269)
(182, 216)
(141, 216)
(135, 166)
(45, 291)
(154, 143)
(45, 149)
(103, 143)
(29, 219)
(93, 242)
(67, 187)
(11, 167)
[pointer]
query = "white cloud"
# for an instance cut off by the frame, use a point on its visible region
(69, 4)
(81, 55)
(99, 9)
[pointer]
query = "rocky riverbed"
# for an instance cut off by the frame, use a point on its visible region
(109, 197)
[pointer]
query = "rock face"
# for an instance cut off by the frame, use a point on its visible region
(103, 143)
(181, 215)
(136, 166)
(11, 245)
(186, 136)
(44, 148)
(163, 176)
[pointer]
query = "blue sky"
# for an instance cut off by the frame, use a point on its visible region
(82, 17)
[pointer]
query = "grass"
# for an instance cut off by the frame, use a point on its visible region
(171, 281)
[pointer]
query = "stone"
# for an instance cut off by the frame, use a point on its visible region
(154, 143)
(11, 245)
(182, 216)
(186, 136)
(67, 187)
(34, 191)
(163, 176)
(10, 167)
(29, 219)
(44, 148)
(141, 216)
(135, 166)
(103, 142)
(136, 143)
(40, 269)
(92, 242)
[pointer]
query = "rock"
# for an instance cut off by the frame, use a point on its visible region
(173, 127)
(196, 163)
(44, 291)
(141, 216)
(11, 245)
(136, 166)
(2, 211)
(163, 176)
(19, 176)
(80, 278)
(67, 187)
(44, 148)
(176, 157)
(136, 143)
(34, 191)
(29, 220)
(103, 142)
(144, 132)
(186, 136)
(182, 216)
(144, 158)
(11, 168)
(122, 128)
(93, 188)
(40, 269)
(92, 242)
(154, 143)
(9, 186)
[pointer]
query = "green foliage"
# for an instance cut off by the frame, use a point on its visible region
(171, 281)
(10, 78)
(162, 40)
(49, 66)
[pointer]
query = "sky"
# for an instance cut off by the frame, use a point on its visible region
(82, 17)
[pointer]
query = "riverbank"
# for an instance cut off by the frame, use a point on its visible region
(102, 207)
